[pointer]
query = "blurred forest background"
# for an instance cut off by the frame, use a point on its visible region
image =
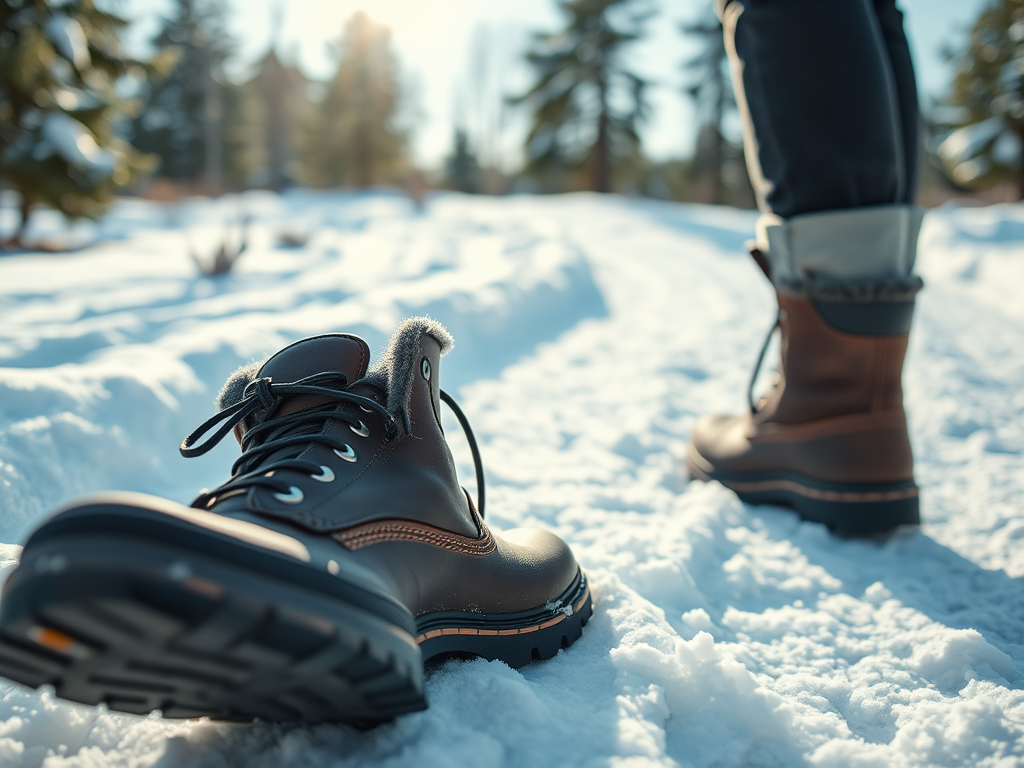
(82, 120)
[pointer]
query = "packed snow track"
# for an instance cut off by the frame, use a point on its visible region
(591, 332)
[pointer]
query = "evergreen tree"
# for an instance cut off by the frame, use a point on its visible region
(279, 91)
(711, 90)
(240, 136)
(60, 67)
(463, 168)
(986, 101)
(586, 104)
(183, 120)
(354, 139)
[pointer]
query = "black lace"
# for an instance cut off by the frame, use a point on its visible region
(478, 464)
(760, 361)
(261, 398)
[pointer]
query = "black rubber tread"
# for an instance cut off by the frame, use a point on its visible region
(891, 505)
(121, 514)
(514, 638)
(148, 625)
(138, 630)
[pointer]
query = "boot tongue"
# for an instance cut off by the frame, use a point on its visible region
(334, 352)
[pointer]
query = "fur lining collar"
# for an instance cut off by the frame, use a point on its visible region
(397, 369)
(889, 289)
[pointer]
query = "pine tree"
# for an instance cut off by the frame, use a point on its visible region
(183, 120)
(986, 102)
(60, 108)
(354, 139)
(240, 136)
(279, 91)
(711, 91)
(463, 168)
(578, 123)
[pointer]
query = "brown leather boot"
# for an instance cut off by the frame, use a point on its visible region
(314, 583)
(830, 440)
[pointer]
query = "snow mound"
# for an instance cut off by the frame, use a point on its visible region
(590, 333)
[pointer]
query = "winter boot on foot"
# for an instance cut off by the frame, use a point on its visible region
(313, 584)
(830, 440)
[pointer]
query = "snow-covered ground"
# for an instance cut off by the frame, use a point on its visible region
(590, 334)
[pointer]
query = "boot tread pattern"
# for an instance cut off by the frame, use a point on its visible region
(214, 640)
(139, 646)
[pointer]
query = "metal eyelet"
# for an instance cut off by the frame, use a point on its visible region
(362, 430)
(348, 454)
(326, 474)
(425, 368)
(294, 496)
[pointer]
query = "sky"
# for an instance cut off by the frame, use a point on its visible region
(460, 56)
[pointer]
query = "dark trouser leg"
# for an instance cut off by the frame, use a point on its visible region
(829, 107)
(826, 92)
(828, 97)
(890, 21)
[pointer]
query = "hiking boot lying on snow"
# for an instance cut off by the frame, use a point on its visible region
(314, 583)
(830, 440)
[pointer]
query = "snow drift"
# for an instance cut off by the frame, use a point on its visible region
(590, 333)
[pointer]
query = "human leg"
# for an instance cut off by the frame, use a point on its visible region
(827, 98)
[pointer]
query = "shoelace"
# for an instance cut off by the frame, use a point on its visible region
(261, 397)
(760, 361)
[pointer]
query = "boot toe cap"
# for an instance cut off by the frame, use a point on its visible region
(717, 438)
(539, 567)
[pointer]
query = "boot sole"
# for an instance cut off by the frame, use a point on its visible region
(139, 625)
(514, 638)
(848, 509)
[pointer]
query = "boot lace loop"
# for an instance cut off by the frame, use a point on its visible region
(266, 395)
(260, 399)
(478, 464)
(760, 361)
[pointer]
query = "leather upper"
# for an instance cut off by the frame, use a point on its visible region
(410, 477)
(827, 373)
(836, 413)
(396, 516)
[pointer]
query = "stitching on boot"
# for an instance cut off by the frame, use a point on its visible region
(480, 632)
(817, 493)
(866, 421)
(392, 529)
(397, 368)
(408, 530)
(822, 289)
